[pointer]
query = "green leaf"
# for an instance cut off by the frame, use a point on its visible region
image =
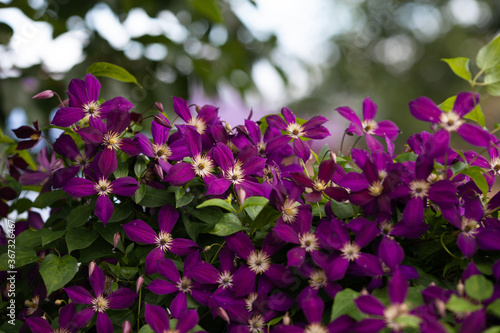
(457, 304)
(80, 238)
(22, 205)
(50, 236)
(139, 167)
(489, 55)
(121, 212)
(447, 105)
(217, 203)
(29, 238)
(209, 9)
(112, 71)
(405, 157)
(146, 329)
(479, 287)
(140, 193)
(458, 167)
(460, 66)
(493, 329)
(128, 272)
(342, 210)
(23, 256)
(27, 158)
(344, 304)
(48, 198)
(408, 321)
(121, 170)
(228, 225)
(268, 215)
(78, 216)
(56, 272)
(492, 81)
(254, 205)
(182, 196)
(476, 115)
(4, 138)
(476, 173)
(494, 307)
(209, 215)
(156, 197)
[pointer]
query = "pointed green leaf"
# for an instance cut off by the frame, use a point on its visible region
(112, 71)
(228, 225)
(457, 304)
(476, 173)
(494, 307)
(139, 167)
(343, 304)
(23, 256)
(460, 66)
(79, 215)
(218, 203)
(80, 238)
(489, 55)
(140, 193)
(56, 272)
(208, 8)
(48, 198)
(156, 197)
(50, 236)
(492, 81)
(477, 115)
(478, 287)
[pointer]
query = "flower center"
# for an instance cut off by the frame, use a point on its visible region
(32, 305)
(308, 242)
(295, 130)
(369, 126)
(419, 188)
(225, 280)
(202, 165)
(259, 261)
(91, 109)
(184, 285)
(469, 227)
(162, 151)
(164, 241)
(319, 185)
(495, 165)
(386, 227)
(450, 121)
(100, 304)
(392, 312)
(82, 160)
(290, 210)
(376, 188)
(261, 147)
(112, 140)
(318, 279)
(315, 328)
(61, 330)
(350, 251)
(199, 124)
(235, 174)
(256, 324)
(252, 297)
(103, 187)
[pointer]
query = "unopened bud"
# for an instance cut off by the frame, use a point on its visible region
(139, 282)
(460, 288)
(159, 106)
(58, 302)
(126, 327)
(197, 108)
(364, 292)
(116, 240)
(207, 248)
(228, 128)
(286, 319)
(241, 195)
(91, 267)
(223, 314)
(44, 94)
(441, 307)
(162, 120)
(333, 156)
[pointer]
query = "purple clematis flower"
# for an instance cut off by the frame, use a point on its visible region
(84, 103)
(369, 126)
(66, 322)
(425, 109)
(312, 129)
(102, 185)
(140, 232)
(122, 298)
(387, 316)
(34, 134)
(157, 318)
(181, 286)
(47, 166)
(235, 172)
(6, 194)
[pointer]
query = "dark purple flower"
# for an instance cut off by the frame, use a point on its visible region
(312, 129)
(67, 324)
(34, 134)
(102, 185)
(369, 126)
(44, 175)
(33, 306)
(158, 319)
(122, 298)
(141, 232)
(84, 103)
(235, 172)
(425, 109)
(6, 194)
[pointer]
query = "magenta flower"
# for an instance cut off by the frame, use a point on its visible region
(102, 185)
(312, 129)
(122, 298)
(157, 318)
(66, 322)
(47, 167)
(84, 103)
(140, 232)
(369, 126)
(425, 109)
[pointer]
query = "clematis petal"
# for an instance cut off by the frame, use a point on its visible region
(79, 295)
(67, 116)
(122, 298)
(152, 260)
(179, 174)
(125, 186)
(97, 280)
(425, 109)
(104, 208)
(187, 321)
(79, 187)
(140, 232)
(397, 287)
(104, 324)
(162, 287)
(370, 305)
(475, 135)
(350, 115)
(157, 318)
(167, 218)
(465, 103)
(39, 325)
(181, 108)
(168, 270)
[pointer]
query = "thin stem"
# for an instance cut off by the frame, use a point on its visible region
(445, 248)
(342, 142)
(139, 310)
(355, 142)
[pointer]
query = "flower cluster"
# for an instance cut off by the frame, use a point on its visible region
(204, 227)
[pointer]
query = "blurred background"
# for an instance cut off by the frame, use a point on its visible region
(239, 55)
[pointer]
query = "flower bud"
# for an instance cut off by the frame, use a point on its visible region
(223, 314)
(286, 319)
(159, 106)
(126, 327)
(44, 94)
(333, 156)
(162, 121)
(241, 195)
(116, 240)
(91, 267)
(58, 302)
(139, 282)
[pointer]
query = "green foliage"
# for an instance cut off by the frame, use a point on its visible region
(57, 271)
(112, 71)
